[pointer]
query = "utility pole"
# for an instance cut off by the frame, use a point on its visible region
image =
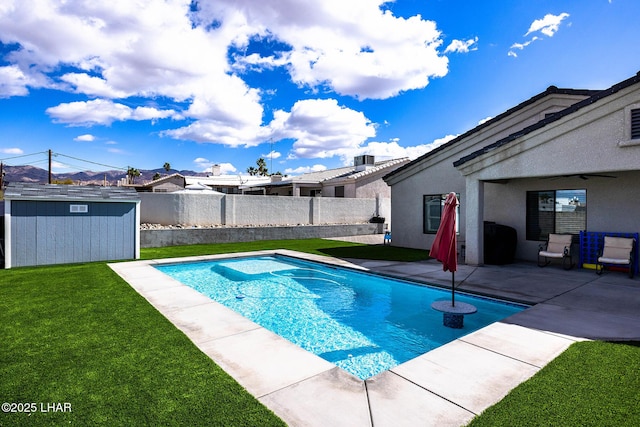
(49, 166)
(271, 155)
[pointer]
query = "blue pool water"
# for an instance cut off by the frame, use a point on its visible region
(361, 322)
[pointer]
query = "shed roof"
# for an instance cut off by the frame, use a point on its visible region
(31, 191)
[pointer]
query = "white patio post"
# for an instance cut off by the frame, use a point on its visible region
(474, 221)
(7, 234)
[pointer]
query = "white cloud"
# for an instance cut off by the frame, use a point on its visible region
(352, 47)
(321, 128)
(123, 49)
(89, 113)
(212, 131)
(150, 113)
(202, 161)
(102, 112)
(204, 165)
(485, 120)
(87, 137)
(461, 46)
(14, 150)
(393, 150)
(227, 169)
(13, 82)
(91, 85)
(521, 46)
(59, 167)
(138, 52)
(548, 25)
(271, 155)
(305, 169)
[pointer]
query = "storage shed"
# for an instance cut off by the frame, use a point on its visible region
(59, 224)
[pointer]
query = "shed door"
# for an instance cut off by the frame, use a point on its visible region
(56, 233)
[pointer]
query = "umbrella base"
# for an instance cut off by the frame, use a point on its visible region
(455, 321)
(453, 315)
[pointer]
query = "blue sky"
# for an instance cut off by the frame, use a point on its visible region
(307, 85)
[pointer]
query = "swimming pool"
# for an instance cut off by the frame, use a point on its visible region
(361, 322)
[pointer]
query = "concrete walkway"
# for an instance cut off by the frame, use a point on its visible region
(446, 386)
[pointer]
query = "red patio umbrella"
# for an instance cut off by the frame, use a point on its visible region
(444, 247)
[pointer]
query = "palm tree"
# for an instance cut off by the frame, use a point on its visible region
(132, 173)
(261, 170)
(167, 166)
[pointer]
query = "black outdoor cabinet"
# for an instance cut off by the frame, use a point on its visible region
(499, 243)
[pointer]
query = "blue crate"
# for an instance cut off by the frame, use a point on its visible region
(592, 241)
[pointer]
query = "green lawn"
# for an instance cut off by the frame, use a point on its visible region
(333, 248)
(590, 384)
(79, 335)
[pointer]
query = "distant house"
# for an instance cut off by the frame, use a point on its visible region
(361, 180)
(563, 161)
(165, 184)
(227, 184)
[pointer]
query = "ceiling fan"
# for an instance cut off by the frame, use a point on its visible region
(583, 176)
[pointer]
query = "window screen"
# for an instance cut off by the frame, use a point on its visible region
(555, 211)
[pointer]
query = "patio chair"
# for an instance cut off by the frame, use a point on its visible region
(557, 247)
(617, 251)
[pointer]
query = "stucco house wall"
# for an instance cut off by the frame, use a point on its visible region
(407, 203)
(242, 210)
(494, 165)
(594, 139)
(175, 184)
(359, 187)
(371, 187)
(181, 208)
(434, 173)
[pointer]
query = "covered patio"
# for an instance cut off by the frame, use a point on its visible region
(575, 302)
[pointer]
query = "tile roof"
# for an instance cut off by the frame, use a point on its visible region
(557, 116)
(346, 172)
(227, 180)
(549, 91)
(30, 191)
(379, 166)
(164, 178)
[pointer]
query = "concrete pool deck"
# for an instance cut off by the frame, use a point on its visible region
(446, 386)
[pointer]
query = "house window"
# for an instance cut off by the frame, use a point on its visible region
(432, 206)
(555, 211)
(635, 123)
(340, 191)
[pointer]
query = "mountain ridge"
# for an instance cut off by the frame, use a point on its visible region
(35, 174)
